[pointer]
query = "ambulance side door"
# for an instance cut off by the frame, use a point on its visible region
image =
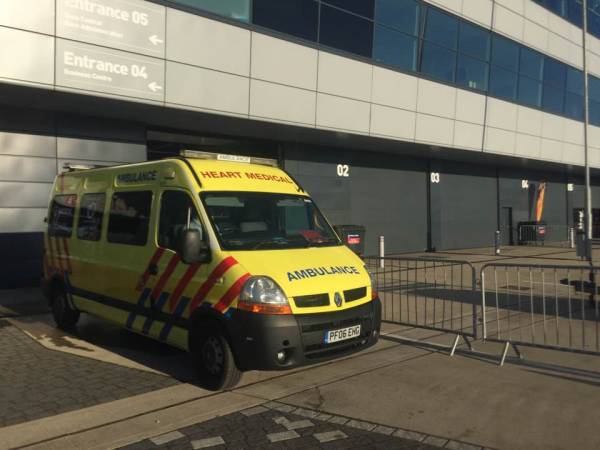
(176, 282)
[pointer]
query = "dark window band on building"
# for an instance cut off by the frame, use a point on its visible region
(415, 37)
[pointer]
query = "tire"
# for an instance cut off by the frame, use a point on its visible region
(217, 369)
(65, 317)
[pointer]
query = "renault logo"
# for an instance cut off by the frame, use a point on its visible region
(337, 298)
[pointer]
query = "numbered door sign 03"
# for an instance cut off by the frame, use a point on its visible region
(435, 177)
(343, 170)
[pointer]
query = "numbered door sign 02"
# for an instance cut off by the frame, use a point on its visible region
(435, 177)
(343, 170)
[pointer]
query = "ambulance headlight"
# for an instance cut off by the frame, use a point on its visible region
(263, 295)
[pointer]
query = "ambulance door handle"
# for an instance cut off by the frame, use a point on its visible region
(153, 269)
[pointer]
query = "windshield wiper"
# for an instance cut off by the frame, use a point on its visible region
(278, 242)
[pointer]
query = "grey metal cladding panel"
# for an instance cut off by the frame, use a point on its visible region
(22, 220)
(100, 128)
(132, 25)
(20, 168)
(89, 149)
(92, 68)
(24, 195)
(27, 145)
(34, 15)
(26, 57)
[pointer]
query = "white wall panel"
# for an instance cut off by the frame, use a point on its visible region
(468, 135)
(501, 114)
(21, 168)
(508, 22)
(24, 195)
(26, 56)
(553, 127)
(27, 145)
(536, 13)
(535, 36)
(278, 102)
(345, 77)
(573, 154)
(90, 149)
(434, 130)
(470, 107)
(527, 145)
(342, 113)
(22, 220)
(394, 122)
(207, 43)
(517, 6)
(529, 121)
(283, 62)
(559, 47)
(551, 150)
(499, 141)
(478, 11)
(573, 131)
(559, 26)
(394, 89)
(436, 99)
(203, 88)
(33, 15)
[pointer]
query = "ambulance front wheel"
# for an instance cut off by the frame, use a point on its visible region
(64, 316)
(216, 364)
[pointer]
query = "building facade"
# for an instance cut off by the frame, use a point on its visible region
(430, 122)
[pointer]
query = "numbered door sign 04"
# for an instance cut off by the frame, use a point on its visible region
(435, 177)
(343, 170)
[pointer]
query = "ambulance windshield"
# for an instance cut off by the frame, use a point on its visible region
(260, 220)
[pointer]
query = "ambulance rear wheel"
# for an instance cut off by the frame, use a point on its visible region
(216, 364)
(64, 316)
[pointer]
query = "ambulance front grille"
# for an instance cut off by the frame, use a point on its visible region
(309, 301)
(355, 294)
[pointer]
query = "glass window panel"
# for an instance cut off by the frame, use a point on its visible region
(474, 41)
(299, 18)
(91, 213)
(394, 48)
(176, 211)
(346, 31)
(532, 63)
(557, 7)
(575, 81)
(234, 9)
(555, 73)
(574, 12)
(574, 106)
(594, 88)
(62, 213)
(505, 53)
(472, 73)
(441, 28)
(503, 83)
(593, 23)
(594, 113)
(530, 91)
(129, 217)
(438, 62)
(400, 14)
(361, 7)
(553, 99)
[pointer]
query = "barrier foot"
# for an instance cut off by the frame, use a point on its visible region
(455, 344)
(504, 353)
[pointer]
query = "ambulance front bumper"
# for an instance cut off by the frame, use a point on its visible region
(279, 342)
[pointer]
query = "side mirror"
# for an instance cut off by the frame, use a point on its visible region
(192, 248)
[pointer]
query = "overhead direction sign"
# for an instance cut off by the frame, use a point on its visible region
(132, 25)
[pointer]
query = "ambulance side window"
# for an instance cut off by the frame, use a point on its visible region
(129, 217)
(91, 213)
(174, 207)
(62, 213)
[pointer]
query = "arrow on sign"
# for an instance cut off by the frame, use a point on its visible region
(155, 39)
(154, 86)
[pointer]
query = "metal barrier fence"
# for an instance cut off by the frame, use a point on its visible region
(429, 293)
(547, 306)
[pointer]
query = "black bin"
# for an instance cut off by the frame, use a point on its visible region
(353, 236)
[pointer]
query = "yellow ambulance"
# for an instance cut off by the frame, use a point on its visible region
(226, 257)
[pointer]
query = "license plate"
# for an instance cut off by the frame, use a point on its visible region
(342, 334)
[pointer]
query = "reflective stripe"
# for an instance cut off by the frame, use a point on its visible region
(158, 306)
(164, 333)
(54, 242)
(180, 288)
(165, 276)
(139, 306)
(146, 275)
(231, 293)
(217, 273)
(66, 247)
